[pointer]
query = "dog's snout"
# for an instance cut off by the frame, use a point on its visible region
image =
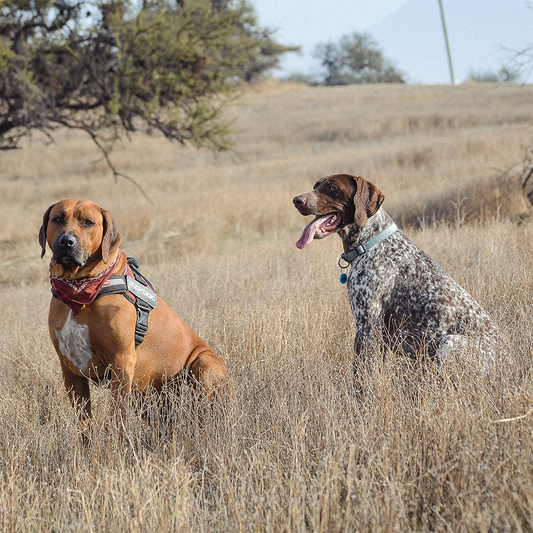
(67, 240)
(67, 249)
(298, 201)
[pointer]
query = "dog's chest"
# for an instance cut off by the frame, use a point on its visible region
(74, 343)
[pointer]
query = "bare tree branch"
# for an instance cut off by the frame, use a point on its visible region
(110, 164)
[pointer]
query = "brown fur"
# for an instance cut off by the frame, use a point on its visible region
(170, 346)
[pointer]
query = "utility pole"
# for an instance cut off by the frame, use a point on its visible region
(446, 41)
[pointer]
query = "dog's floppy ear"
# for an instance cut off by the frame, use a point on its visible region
(42, 231)
(111, 238)
(367, 200)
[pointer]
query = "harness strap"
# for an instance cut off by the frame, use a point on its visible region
(137, 290)
(145, 299)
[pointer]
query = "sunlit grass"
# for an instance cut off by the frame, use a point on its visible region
(296, 451)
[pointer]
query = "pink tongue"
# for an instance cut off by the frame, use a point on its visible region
(310, 230)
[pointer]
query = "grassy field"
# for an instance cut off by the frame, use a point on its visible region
(297, 451)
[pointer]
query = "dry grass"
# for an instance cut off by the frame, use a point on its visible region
(297, 452)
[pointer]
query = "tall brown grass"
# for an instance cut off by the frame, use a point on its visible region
(426, 450)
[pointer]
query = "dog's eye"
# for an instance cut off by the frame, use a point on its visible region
(332, 188)
(88, 223)
(58, 220)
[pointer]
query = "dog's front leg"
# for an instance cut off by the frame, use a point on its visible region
(80, 397)
(363, 318)
(360, 359)
(121, 381)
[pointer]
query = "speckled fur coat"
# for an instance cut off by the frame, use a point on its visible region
(420, 308)
(395, 288)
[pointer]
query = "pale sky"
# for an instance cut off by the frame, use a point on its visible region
(311, 21)
(307, 23)
(482, 33)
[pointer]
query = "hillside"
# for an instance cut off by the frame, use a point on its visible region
(428, 449)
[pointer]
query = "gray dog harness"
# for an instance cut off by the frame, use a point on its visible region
(137, 290)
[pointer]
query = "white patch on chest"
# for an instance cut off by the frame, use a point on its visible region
(74, 343)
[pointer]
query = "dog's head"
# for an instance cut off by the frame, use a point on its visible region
(337, 201)
(78, 232)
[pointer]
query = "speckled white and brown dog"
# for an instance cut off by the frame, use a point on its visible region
(392, 284)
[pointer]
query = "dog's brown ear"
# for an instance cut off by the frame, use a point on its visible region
(111, 238)
(367, 200)
(42, 231)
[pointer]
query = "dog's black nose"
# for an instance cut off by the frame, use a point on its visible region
(298, 201)
(67, 240)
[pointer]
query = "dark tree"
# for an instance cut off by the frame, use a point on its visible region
(114, 67)
(355, 59)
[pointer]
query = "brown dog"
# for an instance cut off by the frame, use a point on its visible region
(95, 337)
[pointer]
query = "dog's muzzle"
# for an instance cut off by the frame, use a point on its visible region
(68, 251)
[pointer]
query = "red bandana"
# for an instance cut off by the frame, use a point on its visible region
(77, 293)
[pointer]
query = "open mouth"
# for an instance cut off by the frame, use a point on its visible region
(320, 227)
